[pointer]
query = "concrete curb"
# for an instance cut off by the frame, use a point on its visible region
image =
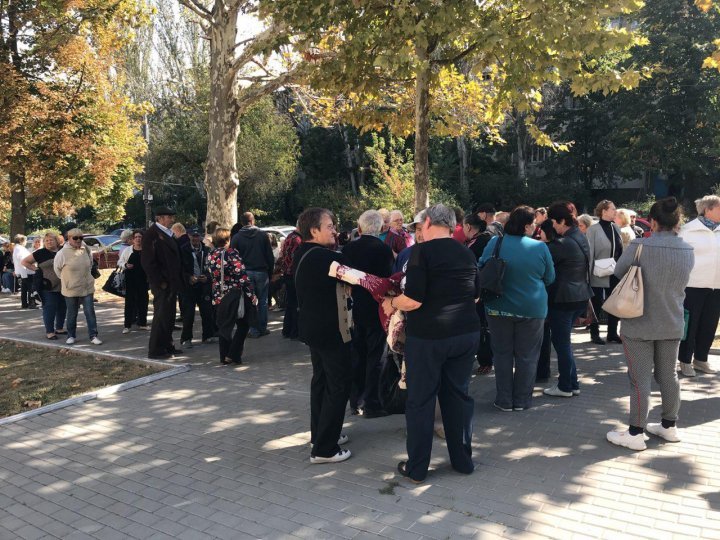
(94, 394)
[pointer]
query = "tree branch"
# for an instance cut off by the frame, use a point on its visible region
(197, 8)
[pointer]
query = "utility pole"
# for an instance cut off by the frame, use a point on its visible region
(147, 196)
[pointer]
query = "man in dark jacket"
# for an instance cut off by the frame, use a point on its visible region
(254, 247)
(194, 256)
(160, 259)
(323, 326)
(371, 255)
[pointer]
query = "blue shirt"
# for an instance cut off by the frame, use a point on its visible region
(528, 270)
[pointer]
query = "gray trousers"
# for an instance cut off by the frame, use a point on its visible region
(645, 358)
(515, 344)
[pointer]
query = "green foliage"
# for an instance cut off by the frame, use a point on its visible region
(642, 206)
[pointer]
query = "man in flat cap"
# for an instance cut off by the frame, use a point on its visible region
(160, 259)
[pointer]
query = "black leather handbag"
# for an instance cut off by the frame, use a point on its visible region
(491, 275)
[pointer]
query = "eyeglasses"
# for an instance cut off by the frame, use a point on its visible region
(76, 237)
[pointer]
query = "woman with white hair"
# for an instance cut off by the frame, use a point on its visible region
(73, 265)
(702, 295)
(584, 223)
(622, 220)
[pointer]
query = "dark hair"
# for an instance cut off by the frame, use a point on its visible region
(476, 223)
(486, 208)
(211, 226)
(246, 219)
(459, 215)
(667, 213)
(601, 207)
(310, 219)
(520, 217)
(571, 207)
(235, 229)
(141, 232)
(547, 227)
(560, 212)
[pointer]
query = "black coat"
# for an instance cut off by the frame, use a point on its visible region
(160, 258)
(254, 247)
(373, 256)
(571, 256)
(188, 265)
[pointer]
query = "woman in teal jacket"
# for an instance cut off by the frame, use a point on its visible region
(516, 318)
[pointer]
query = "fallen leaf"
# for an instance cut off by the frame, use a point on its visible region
(32, 404)
(16, 382)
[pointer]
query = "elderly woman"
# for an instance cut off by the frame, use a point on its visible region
(584, 222)
(230, 286)
(702, 296)
(73, 264)
(516, 319)
(652, 340)
(53, 304)
(443, 334)
(20, 252)
(568, 295)
(605, 244)
(8, 268)
(136, 284)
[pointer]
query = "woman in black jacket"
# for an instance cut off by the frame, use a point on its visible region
(568, 295)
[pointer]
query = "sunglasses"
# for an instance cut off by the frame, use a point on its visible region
(76, 237)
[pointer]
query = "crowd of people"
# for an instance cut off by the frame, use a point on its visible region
(558, 269)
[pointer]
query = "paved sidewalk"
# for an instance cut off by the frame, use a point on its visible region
(223, 452)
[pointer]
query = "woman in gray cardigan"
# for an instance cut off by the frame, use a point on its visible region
(652, 340)
(605, 243)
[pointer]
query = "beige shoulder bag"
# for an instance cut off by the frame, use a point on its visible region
(627, 299)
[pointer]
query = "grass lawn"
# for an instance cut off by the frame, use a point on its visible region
(32, 376)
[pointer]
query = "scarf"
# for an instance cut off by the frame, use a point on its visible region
(709, 223)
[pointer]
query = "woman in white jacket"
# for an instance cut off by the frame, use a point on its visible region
(20, 252)
(702, 296)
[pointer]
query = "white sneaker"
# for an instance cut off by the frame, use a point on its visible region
(576, 392)
(96, 341)
(342, 455)
(187, 344)
(126, 330)
(669, 434)
(705, 367)
(623, 438)
(555, 391)
(687, 369)
(70, 341)
(344, 439)
(6, 291)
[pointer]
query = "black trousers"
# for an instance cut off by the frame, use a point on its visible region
(600, 295)
(233, 348)
(25, 290)
(290, 321)
(439, 369)
(368, 345)
(136, 305)
(543, 367)
(484, 352)
(704, 308)
(197, 295)
(329, 393)
(161, 342)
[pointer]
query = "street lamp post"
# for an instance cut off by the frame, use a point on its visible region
(147, 196)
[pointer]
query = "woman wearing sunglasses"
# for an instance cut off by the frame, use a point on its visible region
(73, 264)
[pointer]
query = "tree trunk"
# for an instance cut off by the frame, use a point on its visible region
(422, 131)
(18, 205)
(521, 163)
(463, 159)
(221, 175)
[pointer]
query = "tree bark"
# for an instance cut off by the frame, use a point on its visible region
(18, 205)
(422, 130)
(521, 156)
(349, 155)
(463, 160)
(221, 175)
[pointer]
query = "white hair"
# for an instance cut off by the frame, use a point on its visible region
(370, 222)
(442, 216)
(708, 202)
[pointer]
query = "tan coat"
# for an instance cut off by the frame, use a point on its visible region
(73, 267)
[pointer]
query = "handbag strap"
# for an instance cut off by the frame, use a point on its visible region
(496, 251)
(297, 267)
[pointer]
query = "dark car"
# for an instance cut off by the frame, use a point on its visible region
(644, 224)
(105, 249)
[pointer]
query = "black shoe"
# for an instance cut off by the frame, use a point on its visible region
(374, 413)
(402, 469)
(614, 339)
(597, 340)
(173, 350)
(159, 356)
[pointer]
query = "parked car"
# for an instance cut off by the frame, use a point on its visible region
(644, 224)
(278, 232)
(105, 249)
(118, 232)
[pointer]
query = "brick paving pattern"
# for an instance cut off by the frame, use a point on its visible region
(223, 452)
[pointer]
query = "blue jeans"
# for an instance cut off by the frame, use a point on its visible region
(73, 306)
(261, 283)
(8, 281)
(54, 309)
(561, 321)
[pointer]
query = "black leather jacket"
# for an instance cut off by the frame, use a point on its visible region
(571, 256)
